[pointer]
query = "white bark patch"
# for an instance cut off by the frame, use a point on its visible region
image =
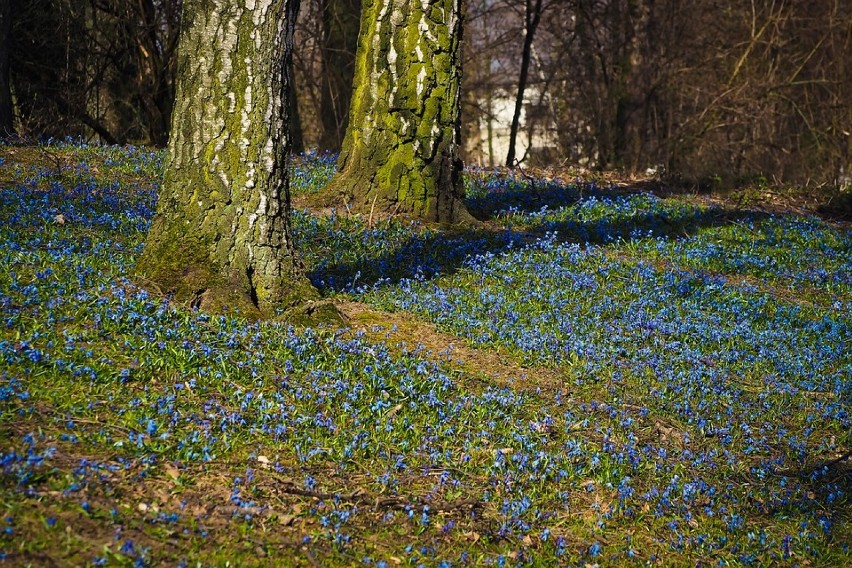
(259, 16)
(245, 118)
(392, 57)
(227, 44)
(250, 176)
(454, 18)
(268, 157)
(423, 25)
(259, 213)
(376, 70)
(433, 138)
(421, 80)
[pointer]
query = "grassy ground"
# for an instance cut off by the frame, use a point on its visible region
(594, 376)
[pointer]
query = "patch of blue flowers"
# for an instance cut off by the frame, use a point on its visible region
(679, 406)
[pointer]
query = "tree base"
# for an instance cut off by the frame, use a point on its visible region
(183, 272)
(374, 205)
(312, 313)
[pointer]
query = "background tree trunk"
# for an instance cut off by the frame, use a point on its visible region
(532, 17)
(155, 29)
(6, 109)
(340, 24)
(221, 237)
(401, 151)
(294, 122)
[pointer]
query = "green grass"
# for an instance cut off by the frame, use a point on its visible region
(614, 379)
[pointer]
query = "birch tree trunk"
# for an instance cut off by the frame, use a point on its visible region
(221, 238)
(401, 150)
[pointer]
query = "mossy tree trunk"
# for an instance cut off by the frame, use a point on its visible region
(221, 238)
(401, 150)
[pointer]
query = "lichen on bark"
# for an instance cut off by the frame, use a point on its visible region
(221, 238)
(401, 150)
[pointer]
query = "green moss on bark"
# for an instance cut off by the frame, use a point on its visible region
(221, 239)
(401, 151)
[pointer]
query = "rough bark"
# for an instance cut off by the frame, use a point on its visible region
(401, 151)
(221, 238)
(340, 23)
(6, 110)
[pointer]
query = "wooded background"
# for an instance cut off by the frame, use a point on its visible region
(719, 90)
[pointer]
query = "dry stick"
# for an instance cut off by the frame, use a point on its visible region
(370, 220)
(384, 503)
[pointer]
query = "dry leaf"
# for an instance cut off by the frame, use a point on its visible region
(172, 471)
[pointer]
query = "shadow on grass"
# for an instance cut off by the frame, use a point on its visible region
(511, 216)
(825, 487)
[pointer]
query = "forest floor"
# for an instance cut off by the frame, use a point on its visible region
(604, 372)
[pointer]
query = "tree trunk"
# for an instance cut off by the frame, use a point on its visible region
(6, 110)
(221, 238)
(155, 29)
(340, 23)
(401, 151)
(532, 17)
(294, 121)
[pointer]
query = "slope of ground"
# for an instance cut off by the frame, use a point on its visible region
(593, 375)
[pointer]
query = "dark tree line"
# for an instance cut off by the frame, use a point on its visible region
(105, 67)
(699, 88)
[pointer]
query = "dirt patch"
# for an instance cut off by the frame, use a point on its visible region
(482, 367)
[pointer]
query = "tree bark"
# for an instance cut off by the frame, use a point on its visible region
(340, 24)
(532, 17)
(221, 238)
(401, 151)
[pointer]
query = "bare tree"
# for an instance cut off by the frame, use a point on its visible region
(533, 10)
(102, 67)
(340, 24)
